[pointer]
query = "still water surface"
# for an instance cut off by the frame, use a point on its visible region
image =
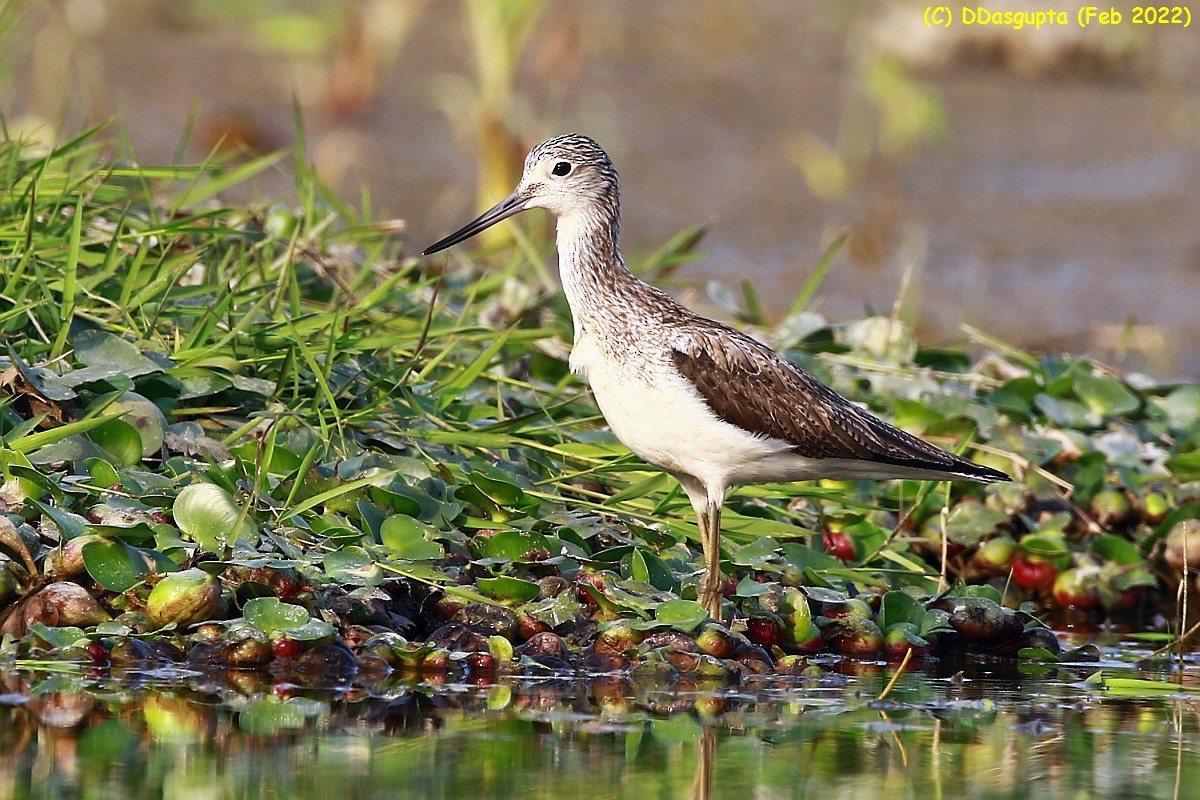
(990, 733)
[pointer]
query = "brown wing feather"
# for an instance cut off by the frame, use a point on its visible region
(751, 386)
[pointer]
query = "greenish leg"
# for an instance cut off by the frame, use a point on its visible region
(710, 541)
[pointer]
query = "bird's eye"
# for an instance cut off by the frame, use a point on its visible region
(561, 168)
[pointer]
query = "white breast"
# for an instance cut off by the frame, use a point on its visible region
(659, 415)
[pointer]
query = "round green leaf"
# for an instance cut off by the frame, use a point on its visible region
(206, 512)
(505, 588)
(271, 615)
(405, 538)
(354, 566)
(684, 615)
(312, 631)
(898, 606)
(508, 545)
(1117, 549)
(121, 439)
(1066, 412)
(102, 472)
(1107, 396)
(143, 415)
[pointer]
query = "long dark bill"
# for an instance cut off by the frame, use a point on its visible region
(509, 206)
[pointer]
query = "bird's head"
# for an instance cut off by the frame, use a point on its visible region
(570, 176)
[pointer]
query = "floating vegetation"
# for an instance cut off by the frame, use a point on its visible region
(262, 438)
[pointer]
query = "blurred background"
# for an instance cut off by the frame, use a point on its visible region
(1042, 185)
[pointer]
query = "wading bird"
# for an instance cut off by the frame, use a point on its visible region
(706, 403)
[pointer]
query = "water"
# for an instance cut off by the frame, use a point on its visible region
(995, 732)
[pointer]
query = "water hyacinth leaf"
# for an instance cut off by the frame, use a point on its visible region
(748, 587)
(280, 462)
(509, 545)
(399, 503)
(1066, 412)
(1039, 654)
(1182, 407)
(405, 538)
(138, 532)
(507, 589)
(141, 413)
(555, 611)
(118, 566)
(637, 567)
(501, 492)
(103, 473)
(1015, 396)
(15, 466)
(354, 566)
(48, 383)
(59, 638)
(646, 567)
(1047, 545)
(1117, 549)
(500, 648)
(211, 517)
(1106, 396)
(758, 554)
(899, 606)
(69, 525)
(823, 594)
(980, 590)
(683, 615)
(612, 555)
(97, 348)
(314, 630)
(970, 523)
(271, 615)
(1185, 467)
(803, 557)
(935, 620)
(120, 439)
(372, 516)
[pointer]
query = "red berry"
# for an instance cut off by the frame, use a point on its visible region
(483, 662)
(764, 631)
(97, 652)
(1033, 575)
(286, 647)
(1129, 599)
(838, 545)
(1072, 591)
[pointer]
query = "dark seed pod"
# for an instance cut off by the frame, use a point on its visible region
(672, 639)
(488, 619)
(458, 638)
(982, 621)
(856, 637)
(528, 627)
(545, 644)
(617, 638)
(604, 663)
(716, 640)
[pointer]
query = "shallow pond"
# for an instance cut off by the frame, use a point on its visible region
(1002, 730)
